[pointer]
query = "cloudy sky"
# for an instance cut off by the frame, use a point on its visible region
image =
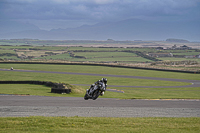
(53, 14)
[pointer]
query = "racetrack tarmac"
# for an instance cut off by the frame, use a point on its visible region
(20, 106)
(13, 105)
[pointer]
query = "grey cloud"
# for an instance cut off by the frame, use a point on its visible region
(97, 10)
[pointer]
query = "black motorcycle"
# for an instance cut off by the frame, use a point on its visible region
(95, 91)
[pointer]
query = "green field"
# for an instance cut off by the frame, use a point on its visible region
(94, 124)
(180, 59)
(101, 70)
(99, 57)
(129, 93)
(90, 54)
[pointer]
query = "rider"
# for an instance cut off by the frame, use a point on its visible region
(103, 80)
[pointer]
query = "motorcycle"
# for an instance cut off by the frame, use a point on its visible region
(95, 91)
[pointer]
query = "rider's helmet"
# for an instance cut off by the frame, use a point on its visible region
(104, 80)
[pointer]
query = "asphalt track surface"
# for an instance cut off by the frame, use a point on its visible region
(15, 106)
(20, 106)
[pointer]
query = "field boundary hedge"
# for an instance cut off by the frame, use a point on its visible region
(56, 87)
(107, 65)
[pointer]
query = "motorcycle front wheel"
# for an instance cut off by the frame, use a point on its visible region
(96, 94)
(86, 97)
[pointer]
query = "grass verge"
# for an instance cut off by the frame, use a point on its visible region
(130, 93)
(97, 124)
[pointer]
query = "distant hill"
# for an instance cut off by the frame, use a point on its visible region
(177, 40)
(14, 27)
(131, 29)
